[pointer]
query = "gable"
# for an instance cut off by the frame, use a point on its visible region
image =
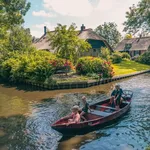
(134, 44)
(97, 44)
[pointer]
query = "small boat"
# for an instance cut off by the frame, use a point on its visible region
(102, 114)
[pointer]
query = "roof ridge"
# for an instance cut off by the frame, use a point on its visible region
(138, 38)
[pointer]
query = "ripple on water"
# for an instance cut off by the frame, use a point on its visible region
(33, 131)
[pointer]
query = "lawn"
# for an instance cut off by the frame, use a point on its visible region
(128, 67)
(71, 77)
(125, 67)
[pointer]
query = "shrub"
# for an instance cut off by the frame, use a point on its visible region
(89, 65)
(93, 75)
(5, 68)
(37, 66)
(105, 53)
(125, 55)
(144, 58)
(39, 70)
(116, 57)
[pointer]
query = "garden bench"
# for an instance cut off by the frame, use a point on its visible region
(64, 69)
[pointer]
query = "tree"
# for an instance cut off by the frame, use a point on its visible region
(19, 39)
(66, 42)
(12, 12)
(109, 32)
(138, 18)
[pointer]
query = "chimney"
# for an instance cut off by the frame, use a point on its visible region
(45, 30)
(140, 36)
(82, 27)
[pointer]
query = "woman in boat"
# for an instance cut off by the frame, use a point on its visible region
(116, 97)
(85, 108)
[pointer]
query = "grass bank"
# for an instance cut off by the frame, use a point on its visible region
(128, 67)
(125, 67)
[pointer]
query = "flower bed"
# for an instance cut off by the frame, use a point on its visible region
(87, 65)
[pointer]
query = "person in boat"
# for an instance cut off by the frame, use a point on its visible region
(85, 108)
(116, 96)
(74, 117)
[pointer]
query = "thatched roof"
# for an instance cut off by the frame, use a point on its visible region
(43, 43)
(140, 43)
(86, 34)
(89, 34)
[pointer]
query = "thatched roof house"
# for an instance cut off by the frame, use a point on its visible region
(134, 46)
(94, 39)
(89, 35)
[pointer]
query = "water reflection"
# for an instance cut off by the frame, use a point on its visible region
(26, 116)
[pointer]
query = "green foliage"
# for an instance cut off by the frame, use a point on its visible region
(116, 57)
(86, 65)
(12, 12)
(125, 55)
(110, 32)
(67, 43)
(11, 16)
(93, 75)
(144, 58)
(148, 148)
(50, 81)
(138, 17)
(105, 53)
(39, 70)
(19, 39)
(36, 66)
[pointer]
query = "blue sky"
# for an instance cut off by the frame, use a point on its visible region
(91, 13)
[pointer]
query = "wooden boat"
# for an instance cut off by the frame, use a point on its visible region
(102, 114)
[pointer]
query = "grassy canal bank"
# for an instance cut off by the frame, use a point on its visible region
(128, 67)
(124, 68)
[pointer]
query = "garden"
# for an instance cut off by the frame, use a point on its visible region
(42, 67)
(21, 61)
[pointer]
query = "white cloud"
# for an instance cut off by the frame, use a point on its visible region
(109, 11)
(98, 12)
(105, 5)
(42, 13)
(36, 33)
(79, 8)
(47, 24)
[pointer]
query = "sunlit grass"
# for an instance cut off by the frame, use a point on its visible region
(128, 67)
(125, 67)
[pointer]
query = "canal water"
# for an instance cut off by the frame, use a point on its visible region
(26, 115)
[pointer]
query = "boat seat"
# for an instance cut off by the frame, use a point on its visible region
(100, 113)
(101, 106)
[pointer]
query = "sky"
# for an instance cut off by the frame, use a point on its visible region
(91, 13)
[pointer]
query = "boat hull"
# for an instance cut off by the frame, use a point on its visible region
(91, 125)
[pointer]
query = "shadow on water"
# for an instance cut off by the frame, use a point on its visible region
(20, 86)
(14, 133)
(82, 138)
(79, 140)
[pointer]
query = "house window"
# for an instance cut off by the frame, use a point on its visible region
(127, 46)
(136, 53)
(94, 50)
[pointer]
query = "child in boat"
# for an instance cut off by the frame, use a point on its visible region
(85, 108)
(116, 96)
(74, 117)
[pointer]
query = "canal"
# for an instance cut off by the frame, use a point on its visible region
(26, 115)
